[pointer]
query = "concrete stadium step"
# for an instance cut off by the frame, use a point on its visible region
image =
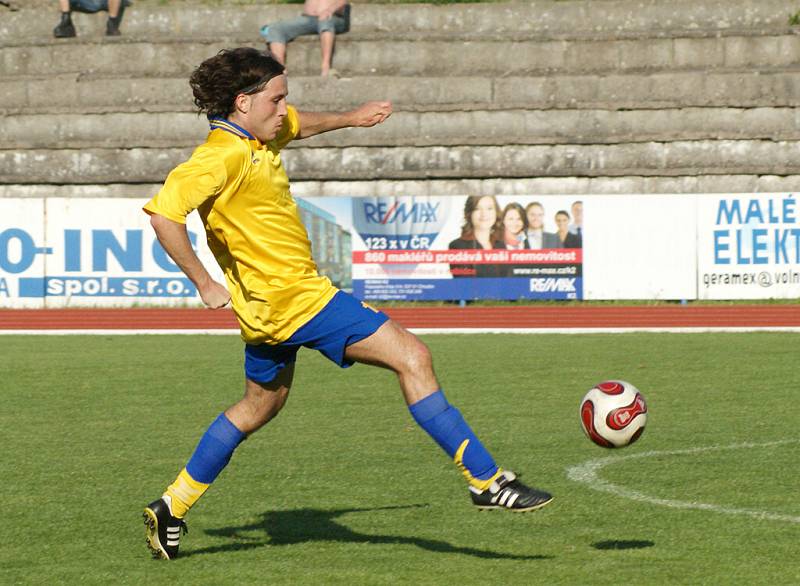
(738, 88)
(679, 158)
(733, 183)
(540, 17)
(613, 17)
(498, 127)
(176, 58)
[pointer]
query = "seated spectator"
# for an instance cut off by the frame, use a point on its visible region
(326, 18)
(115, 9)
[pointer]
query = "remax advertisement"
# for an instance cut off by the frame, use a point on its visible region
(462, 248)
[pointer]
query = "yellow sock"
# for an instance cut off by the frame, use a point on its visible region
(476, 482)
(184, 493)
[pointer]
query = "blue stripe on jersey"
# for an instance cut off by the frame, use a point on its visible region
(228, 126)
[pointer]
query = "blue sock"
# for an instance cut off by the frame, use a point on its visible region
(214, 450)
(447, 427)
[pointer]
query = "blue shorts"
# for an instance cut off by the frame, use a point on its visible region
(344, 321)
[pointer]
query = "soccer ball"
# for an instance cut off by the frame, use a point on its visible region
(613, 414)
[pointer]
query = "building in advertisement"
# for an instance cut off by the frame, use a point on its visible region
(330, 244)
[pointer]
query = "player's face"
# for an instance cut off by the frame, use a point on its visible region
(266, 110)
(562, 221)
(484, 215)
(535, 217)
(513, 221)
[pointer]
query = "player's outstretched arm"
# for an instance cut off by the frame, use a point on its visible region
(366, 115)
(175, 240)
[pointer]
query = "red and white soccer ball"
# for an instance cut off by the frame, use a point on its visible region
(613, 414)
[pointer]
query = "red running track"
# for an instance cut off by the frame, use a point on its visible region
(549, 316)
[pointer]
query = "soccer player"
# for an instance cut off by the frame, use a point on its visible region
(238, 184)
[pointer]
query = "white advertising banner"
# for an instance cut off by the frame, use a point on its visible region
(748, 246)
(102, 251)
(640, 247)
(90, 252)
(23, 251)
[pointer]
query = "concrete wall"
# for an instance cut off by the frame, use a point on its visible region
(574, 96)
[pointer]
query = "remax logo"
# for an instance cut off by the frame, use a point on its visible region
(397, 223)
(400, 212)
(553, 285)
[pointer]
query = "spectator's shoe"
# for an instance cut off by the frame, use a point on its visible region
(509, 493)
(163, 531)
(65, 28)
(112, 27)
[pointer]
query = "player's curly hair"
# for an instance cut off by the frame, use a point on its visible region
(219, 79)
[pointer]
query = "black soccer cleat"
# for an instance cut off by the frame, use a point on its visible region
(65, 28)
(509, 493)
(163, 531)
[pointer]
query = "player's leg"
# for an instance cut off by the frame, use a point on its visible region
(262, 401)
(394, 347)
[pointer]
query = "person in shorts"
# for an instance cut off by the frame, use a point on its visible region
(115, 8)
(325, 18)
(237, 183)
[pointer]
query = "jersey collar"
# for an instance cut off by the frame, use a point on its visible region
(217, 122)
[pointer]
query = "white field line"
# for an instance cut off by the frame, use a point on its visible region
(234, 331)
(587, 473)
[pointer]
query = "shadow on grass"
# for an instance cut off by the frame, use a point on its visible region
(276, 528)
(623, 544)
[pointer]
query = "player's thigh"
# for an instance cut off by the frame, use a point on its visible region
(391, 346)
(270, 397)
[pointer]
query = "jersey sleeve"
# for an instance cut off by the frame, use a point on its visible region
(289, 130)
(189, 185)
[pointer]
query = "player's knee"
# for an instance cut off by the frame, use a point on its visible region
(417, 357)
(261, 405)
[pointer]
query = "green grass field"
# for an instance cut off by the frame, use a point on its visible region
(343, 488)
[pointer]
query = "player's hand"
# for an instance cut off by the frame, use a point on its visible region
(371, 113)
(215, 295)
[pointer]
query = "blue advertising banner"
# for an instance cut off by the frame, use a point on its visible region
(450, 248)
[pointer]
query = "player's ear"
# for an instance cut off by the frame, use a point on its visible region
(242, 103)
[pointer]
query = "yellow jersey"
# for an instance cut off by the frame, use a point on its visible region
(241, 191)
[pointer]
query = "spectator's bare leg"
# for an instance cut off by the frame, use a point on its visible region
(278, 51)
(63, 5)
(113, 7)
(326, 41)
